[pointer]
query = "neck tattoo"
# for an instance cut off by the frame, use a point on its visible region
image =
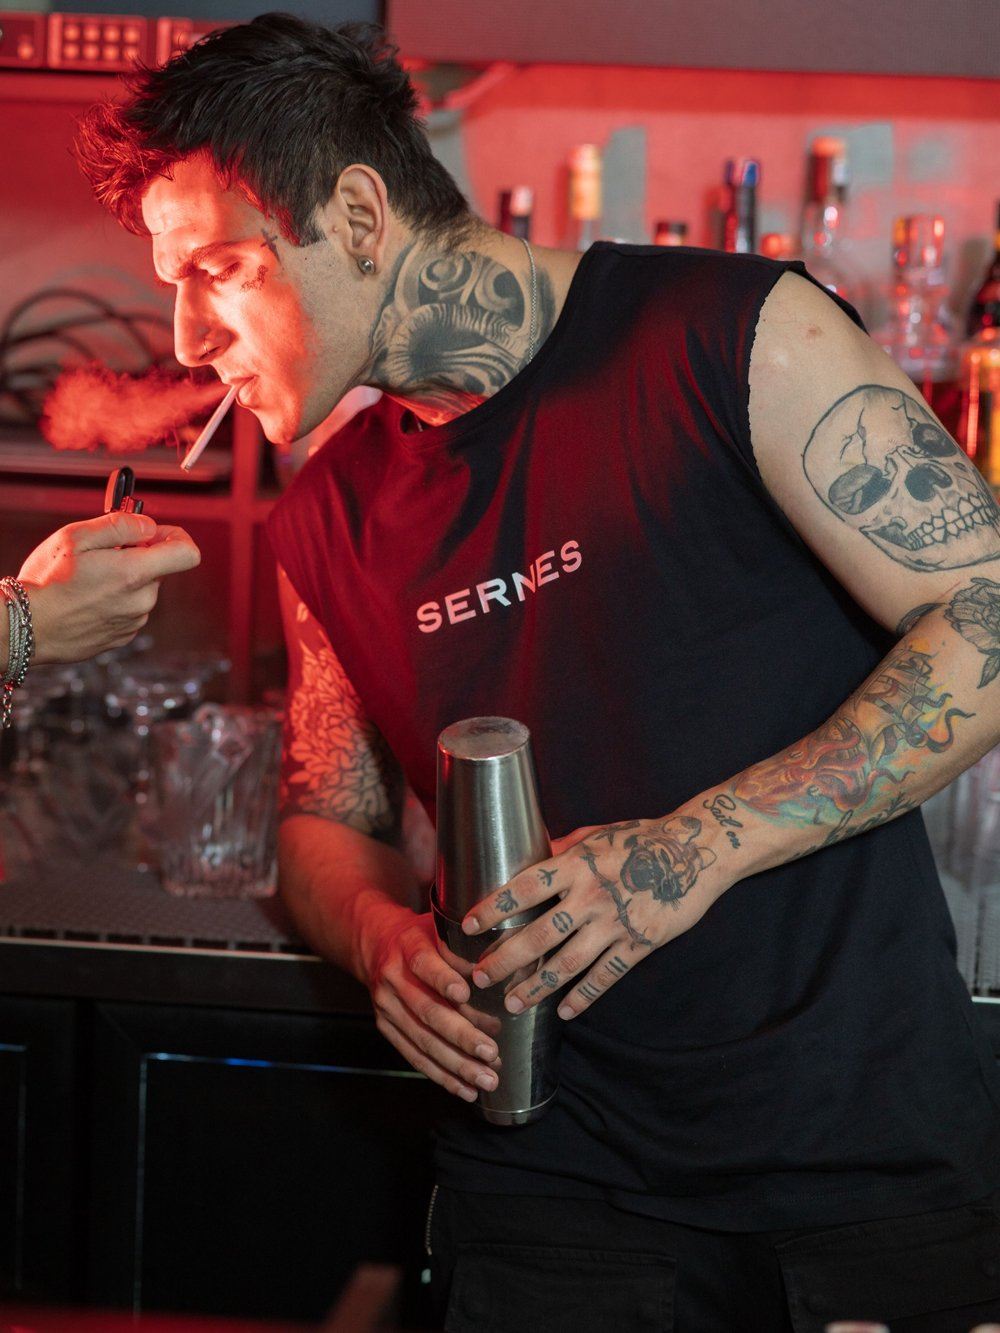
(454, 327)
(534, 290)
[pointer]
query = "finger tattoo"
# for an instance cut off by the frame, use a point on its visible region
(506, 902)
(546, 876)
(551, 979)
(590, 991)
(617, 966)
(562, 922)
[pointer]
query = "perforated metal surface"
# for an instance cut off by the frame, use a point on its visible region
(107, 902)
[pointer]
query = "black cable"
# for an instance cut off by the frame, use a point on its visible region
(27, 386)
(82, 321)
(50, 294)
(127, 318)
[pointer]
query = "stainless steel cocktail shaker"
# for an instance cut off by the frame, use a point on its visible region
(489, 829)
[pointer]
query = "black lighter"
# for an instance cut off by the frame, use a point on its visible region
(119, 492)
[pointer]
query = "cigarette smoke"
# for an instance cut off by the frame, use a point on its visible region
(92, 405)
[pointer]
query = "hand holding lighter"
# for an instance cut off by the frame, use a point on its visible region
(489, 829)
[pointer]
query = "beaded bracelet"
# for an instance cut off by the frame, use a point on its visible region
(21, 644)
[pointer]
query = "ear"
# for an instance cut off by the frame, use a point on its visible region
(359, 213)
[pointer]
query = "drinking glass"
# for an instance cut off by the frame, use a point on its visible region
(216, 781)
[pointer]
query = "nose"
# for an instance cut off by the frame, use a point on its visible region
(198, 336)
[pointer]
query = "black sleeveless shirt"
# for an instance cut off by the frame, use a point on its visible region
(592, 551)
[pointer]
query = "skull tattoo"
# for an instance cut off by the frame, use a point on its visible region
(882, 464)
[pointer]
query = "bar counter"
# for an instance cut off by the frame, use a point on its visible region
(196, 1113)
(107, 931)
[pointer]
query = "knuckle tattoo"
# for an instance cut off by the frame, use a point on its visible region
(562, 922)
(549, 978)
(616, 966)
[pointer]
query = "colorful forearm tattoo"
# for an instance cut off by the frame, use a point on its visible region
(857, 769)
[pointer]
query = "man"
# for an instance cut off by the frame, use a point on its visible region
(675, 512)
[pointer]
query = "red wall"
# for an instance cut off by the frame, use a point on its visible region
(917, 144)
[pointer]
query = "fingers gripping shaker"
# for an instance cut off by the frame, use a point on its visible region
(489, 828)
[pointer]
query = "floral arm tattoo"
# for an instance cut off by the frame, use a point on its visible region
(975, 613)
(335, 763)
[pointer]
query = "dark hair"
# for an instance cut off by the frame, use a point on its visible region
(281, 106)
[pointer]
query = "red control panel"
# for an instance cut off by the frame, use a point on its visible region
(110, 43)
(102, 43)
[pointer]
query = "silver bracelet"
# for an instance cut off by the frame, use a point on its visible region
(21, 644)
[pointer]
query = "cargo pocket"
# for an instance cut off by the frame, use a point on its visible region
(511, 1288)
(936, 1273)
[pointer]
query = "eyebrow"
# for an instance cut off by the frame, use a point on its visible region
(194, 260)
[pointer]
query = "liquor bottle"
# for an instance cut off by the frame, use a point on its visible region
(739, 224)
(917, 334)
(670, 233)
(584, 197)
(514, 213)
(984, 313)
(822, 227)
(777, 245)
(979, 423)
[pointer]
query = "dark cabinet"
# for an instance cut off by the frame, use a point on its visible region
(241, 1162)
(40, 1252)
(239, 1154)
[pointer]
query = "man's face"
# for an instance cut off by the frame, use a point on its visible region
(281, 319)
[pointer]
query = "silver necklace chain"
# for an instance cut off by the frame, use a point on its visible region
(532, 333)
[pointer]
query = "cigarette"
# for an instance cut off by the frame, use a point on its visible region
(210, 427)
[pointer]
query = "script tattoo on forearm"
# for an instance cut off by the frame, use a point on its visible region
(881, 463)
(850, 774)
(974, 611)
(455, 326)
(335, 765)
(720, 807)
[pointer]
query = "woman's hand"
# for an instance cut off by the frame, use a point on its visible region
(92, 584)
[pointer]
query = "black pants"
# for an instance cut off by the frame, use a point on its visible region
(514, 1264)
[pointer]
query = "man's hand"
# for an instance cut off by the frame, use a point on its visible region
(93, 584)
(623, 890)
(418, 999)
